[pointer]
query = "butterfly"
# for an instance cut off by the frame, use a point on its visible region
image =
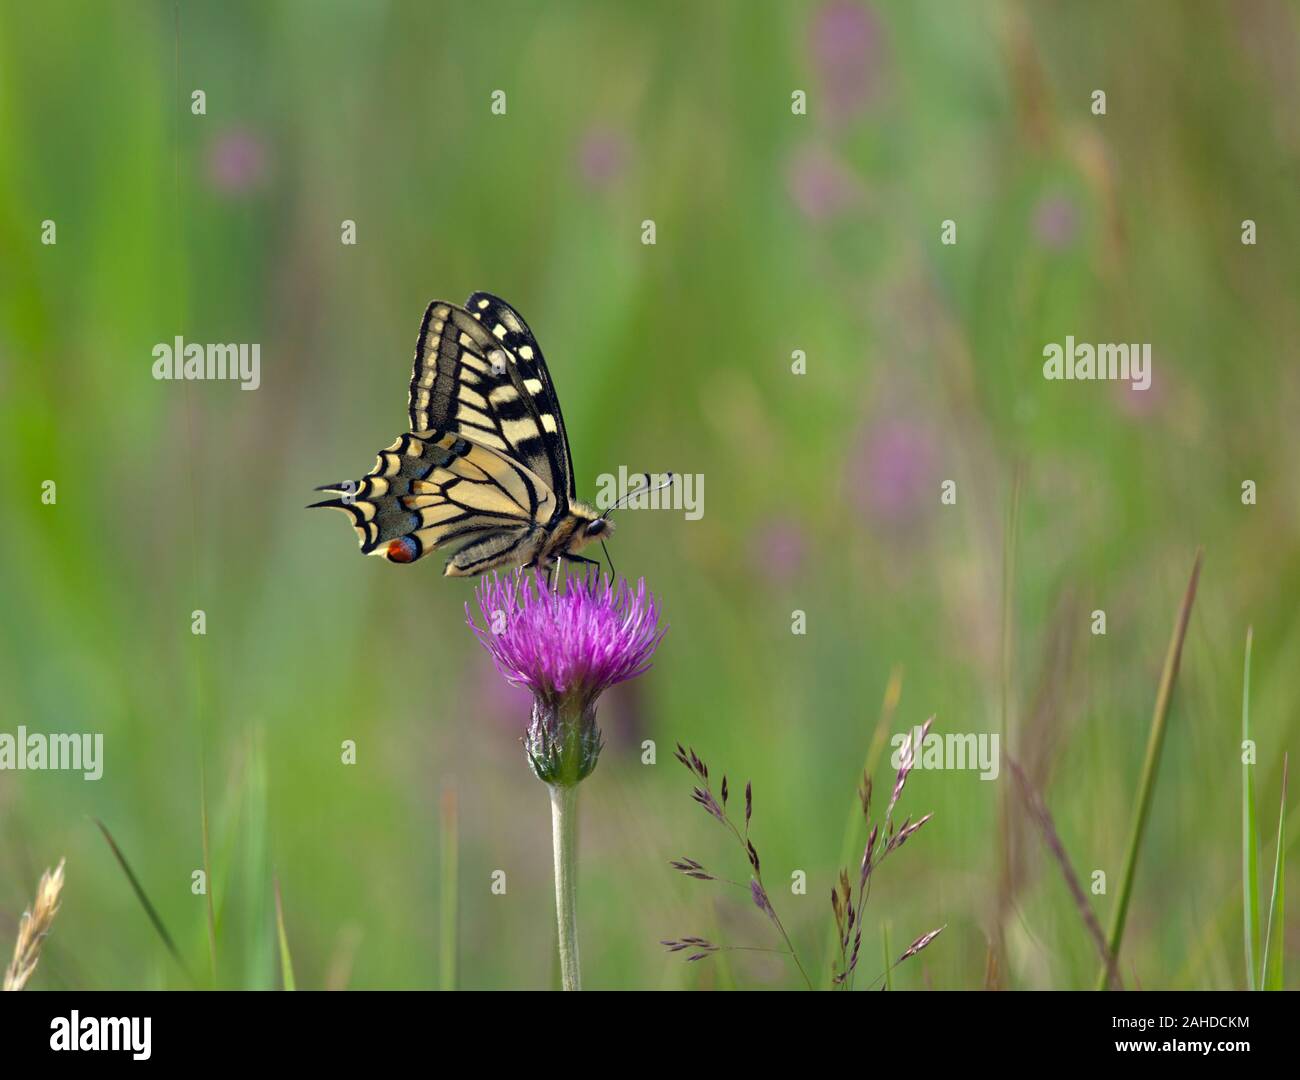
(485, 468)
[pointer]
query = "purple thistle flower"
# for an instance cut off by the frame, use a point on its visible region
(557, 644)
(567, 648)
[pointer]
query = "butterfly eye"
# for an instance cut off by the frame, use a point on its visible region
(402, 550)
(597, 527)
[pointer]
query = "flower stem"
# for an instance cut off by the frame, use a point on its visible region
(564, 829)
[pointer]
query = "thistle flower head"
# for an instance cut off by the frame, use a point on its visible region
(568, 647)
(579, 641)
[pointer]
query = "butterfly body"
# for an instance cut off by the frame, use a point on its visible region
(485, 468)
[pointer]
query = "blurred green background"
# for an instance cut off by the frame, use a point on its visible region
(775, 232)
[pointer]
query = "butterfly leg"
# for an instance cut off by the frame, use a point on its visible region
(584, 561)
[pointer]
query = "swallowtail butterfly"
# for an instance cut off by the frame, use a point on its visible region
(485, 469)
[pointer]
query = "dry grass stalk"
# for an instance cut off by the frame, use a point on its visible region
(35, 924)
(1043, 818)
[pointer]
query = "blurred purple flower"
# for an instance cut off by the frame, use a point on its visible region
(892, 474)
(568, 648)
(602, 157)
(1056, 221)
(1141, 404)
(237, 162)
(821, 185)
(847, 43)
(779, 548)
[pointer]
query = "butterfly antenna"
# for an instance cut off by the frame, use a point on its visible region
(645, 490)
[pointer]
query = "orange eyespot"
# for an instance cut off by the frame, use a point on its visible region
(402, 550)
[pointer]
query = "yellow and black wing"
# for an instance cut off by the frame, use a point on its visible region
(439, 488)
(480, 372)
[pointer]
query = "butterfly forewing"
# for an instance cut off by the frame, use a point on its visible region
(505, 324)
(479, 372)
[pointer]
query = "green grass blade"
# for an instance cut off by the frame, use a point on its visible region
(1249, 831)
(255, 900)
(1150, 766)
(888, 955)
(207, 876)
(1271, 977)
(854, 829)
(286, 960)
(448, 914)
(145, 903)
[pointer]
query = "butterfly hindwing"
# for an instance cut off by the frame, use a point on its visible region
(479, 372)
(439, 488)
